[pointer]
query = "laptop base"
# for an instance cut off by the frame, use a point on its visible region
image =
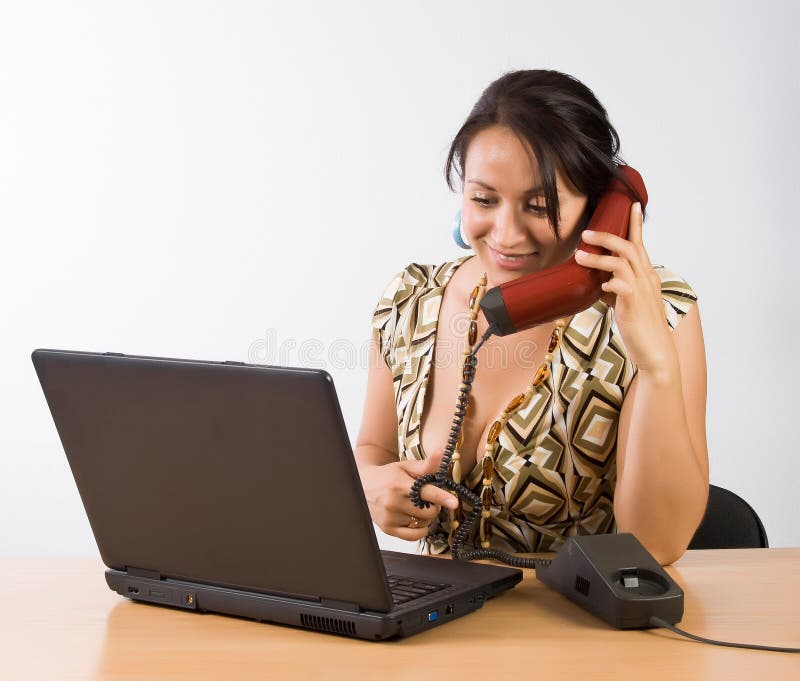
(336, 618)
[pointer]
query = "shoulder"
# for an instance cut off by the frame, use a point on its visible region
(412, 282)
(415, 279)
(677, 294)
(593, 343)
(394, 317)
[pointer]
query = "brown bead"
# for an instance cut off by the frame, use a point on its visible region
(488, 467)
(485, 532)
(460, 440)
(486, 497)
(465, 375)
(514, 404)
(494, 432)
(542, 374)
(554, 340)
(473, 332)
(473, 297)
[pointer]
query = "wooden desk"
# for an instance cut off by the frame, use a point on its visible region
(60, 621)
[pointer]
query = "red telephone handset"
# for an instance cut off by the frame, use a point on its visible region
(567, 288)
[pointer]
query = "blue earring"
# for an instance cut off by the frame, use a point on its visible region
(458, 235)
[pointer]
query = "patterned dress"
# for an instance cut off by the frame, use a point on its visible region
(555, 469)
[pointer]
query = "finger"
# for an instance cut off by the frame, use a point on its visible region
(620, 267)
(415, 518)
(633, 252)
(438, 496)
(403, 512)
(418, 468)
(611, 242)
(407, 533)
(617, 286)
(636, 238)
(635, 224)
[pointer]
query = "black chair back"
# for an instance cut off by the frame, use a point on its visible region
(729, 523)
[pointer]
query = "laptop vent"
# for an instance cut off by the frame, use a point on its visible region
(582, 585)
(331, 624)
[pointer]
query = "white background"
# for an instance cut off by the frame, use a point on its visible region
(219, 180)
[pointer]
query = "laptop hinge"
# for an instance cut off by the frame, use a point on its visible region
(339, 605)
(144, 574)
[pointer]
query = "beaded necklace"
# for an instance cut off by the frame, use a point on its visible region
(488, 462)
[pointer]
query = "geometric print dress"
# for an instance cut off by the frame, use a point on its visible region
(555, 468)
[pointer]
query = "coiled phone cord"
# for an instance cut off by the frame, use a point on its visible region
(442, 480)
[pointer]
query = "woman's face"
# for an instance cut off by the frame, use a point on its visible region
(503, 210)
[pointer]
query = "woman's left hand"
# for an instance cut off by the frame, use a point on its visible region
(634, 291)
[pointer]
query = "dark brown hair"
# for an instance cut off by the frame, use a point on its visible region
(563, 123)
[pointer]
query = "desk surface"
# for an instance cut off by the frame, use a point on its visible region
(60, 621)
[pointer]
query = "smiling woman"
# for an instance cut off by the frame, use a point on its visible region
(602, 426)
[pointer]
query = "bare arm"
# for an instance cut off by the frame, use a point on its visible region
(386, 480)
(662, 454)
(377, 438)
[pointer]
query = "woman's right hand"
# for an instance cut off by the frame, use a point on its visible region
(387, 488)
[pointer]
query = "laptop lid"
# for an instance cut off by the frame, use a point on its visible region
(227, 474)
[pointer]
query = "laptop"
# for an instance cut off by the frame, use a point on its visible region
(232, 488)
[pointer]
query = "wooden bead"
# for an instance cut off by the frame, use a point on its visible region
(488, 467)
(494, 431)
(473, 332)
(515, 402)
(473, 297)
(542, 374)
(485, 544)
(485, 513)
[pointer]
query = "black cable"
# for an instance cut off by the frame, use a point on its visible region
(658, 622)
(442, 480)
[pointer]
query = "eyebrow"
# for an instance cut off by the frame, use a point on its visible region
(532, 190)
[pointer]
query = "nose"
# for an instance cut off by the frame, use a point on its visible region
(509, 230)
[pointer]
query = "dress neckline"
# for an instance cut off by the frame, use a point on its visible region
(422, 393)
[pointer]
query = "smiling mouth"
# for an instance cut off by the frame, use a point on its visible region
(512, 257)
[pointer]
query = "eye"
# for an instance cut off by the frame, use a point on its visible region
(480, 201)
(539, 210)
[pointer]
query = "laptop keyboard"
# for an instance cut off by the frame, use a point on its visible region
(404, 589)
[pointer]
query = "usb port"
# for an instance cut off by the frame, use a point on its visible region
(433, 615)
(449, 609)
(133, 589)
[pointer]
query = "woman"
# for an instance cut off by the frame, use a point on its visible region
(610, 435)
